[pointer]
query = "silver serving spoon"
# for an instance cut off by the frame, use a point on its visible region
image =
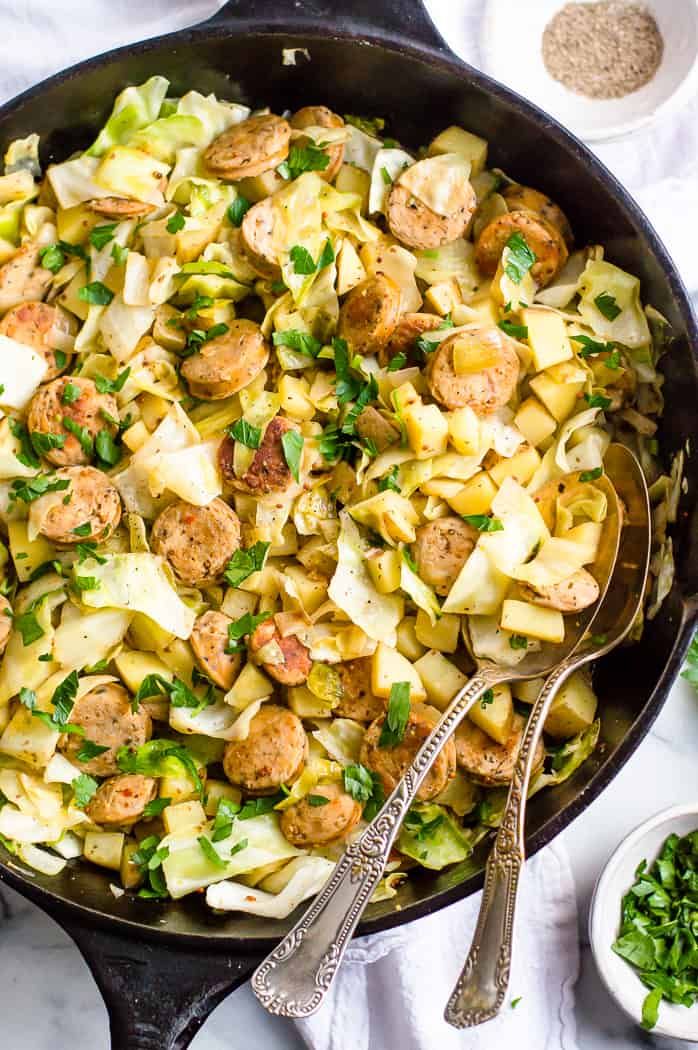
(482, 986)
(295, 977)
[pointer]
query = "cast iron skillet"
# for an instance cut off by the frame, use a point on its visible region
(162, 968)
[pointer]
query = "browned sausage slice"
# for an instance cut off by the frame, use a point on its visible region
(372, 426)
(250, 147)
(45, 328)
(358, 701)
(415, 224)
(22, 278)
(120, 207)
(198, 542)
(90, 499)
(269, 471)
(257, 238)
(524, 198)
(121, 799)
(295, 668)
(403, 340)
(5, 622)
(483, 391)
(314, 822)
(273, 753)
(227, 363)
(89, 412)
(487, 761)
(577, 592)
(391, 763)
(545, 241)
(322, 117)
(369, 314)
(209, 640)
(441, 549)
(106, 716)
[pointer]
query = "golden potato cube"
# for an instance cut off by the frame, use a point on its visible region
(495, 717)
(215, 791)
(427, 430)
(559, 398)
(293, 391)
(443, 635)
(351, 179)
(442, 488)
(135, 436)
(521, 466)
(464, 430)
(441, 678)
(312, 591)
(547, 337)
(574, 708)
(27, 554)
(257, 187)
(534, 621)
(305, 704)
(527, 691)
(74, 224)
(457, 140)
(468, 357)
(132, 667)
(535, 422)
(384, 569)
(104, 848)
(350, 269)
(444, 297)
(407, 641)
(388, 666)
(236, 603)
(183, 815)
(475, 496)
(250, 685)
(405, 395)
(484, 307)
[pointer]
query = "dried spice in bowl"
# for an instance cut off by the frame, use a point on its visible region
(603, 50)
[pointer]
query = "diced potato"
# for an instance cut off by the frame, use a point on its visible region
(388, 513)
(407, 642)
(295, 402)
(266, 581)
(405, 395)
(384, 570)
(350, 269)
(257, 187)
(527, 691)
(250, 685)
(574, 708)
(442, 488)
(180, 788)
(441, 678)
(146, 634)
(535, 422)
(132, 667)
(534, 621)
(559, 398)
(215, 791)
(468, 357)
(444, 297)
(483, 307)
(475, 496)
(153, 409)
(457, 140)
(170, 336)
(305, 704)
(27, 554)
(105, 848)
(547, 337)
(74, 224)
(136, 436)
(388, 666)
(179, 657)
(496, 717)
(183, 815)
(464, 430)
(443, 635)
(28, 739)
(427, 430)
(131, 874)
(236, 603)
(312, 590)
(351, 179)
(521, 466)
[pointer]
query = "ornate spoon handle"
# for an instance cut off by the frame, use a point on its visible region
(293, 980)
(484, 980)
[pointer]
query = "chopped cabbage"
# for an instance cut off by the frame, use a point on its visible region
(430, 835)
(396, 262)
(41, 860)
(309, 876)
(479, 588)
(437, 182)
(421, 594)
(630, 326)
(73, 181)
(490, 642)
(352, 589)
(90, 637)
(588, 455)
(457, 260)
(523, 528)
(387, 165)
(122, 326)
(134, 108)
(361, 149)
(22, 369)
(341, 739)
(568, 758)
(215, 116)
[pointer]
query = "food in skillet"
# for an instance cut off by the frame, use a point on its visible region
(285, 407)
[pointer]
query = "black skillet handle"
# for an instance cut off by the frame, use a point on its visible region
(404, 18)
(157, 996)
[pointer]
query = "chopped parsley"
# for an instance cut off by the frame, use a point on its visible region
(89, 750)
(119, 252)
(690, 671)
(520, 258)
(590, 346)
(369, 125)
(487, 698)
(108, 452)
(292, 445)
(84, 787)
(397, 362)
(516, 331)
(607, 305)
(237, 210)
(224, 819)
(81, 433)
(175, 223)
(244, 562)
(82, 530)
(242, 627)
(111, 386)
(303, 158)
(29, 489)
(518, 641)
(245, 433)
(597, 401)
(210, 853)
(397, 715)
(71, 392)
(591, 475)
(101, 235)
(317, 800)
(389, 481)
(96, 294)
(302, 342)
(386, 176)
(26, 456)
(483, 522)
(86, 583)
(53, 257)
(156, 807)
(302, 260)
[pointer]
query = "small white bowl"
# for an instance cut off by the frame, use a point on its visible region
(617, 877)
(511, 47)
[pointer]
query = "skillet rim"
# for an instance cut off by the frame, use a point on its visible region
(70, 912)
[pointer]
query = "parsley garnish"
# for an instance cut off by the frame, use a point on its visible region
(81, 433)
(89, 750)
(26, 455)
(397, 715)
(199, 336)
(520, 259)
(155, 807)
(518, 641)
(106, 448)
(386, 176)
(303, 342)
(175, 223)
(690, 671)
(516, 331)
(244, 562)
(29, 489)
(591, 346)
(28, 626)
(369, 125)
(303, 158)
(84, 788)
(242, 627)
(96, 294)
(317, 800)
(156, 758)
(119, 253)
(225, 817)
(237, 210)
(303, 261)
(591, 475)
(71, 392)
(397, 362)
(245, 433)
(86, 583)
(597, 401)
(389, 480)
(366, 787)
(111, 386)
(82, 530)
(101, 235)
(292, 445)
(483, 522)
(607, 305)
(487, 698)
(53, 257)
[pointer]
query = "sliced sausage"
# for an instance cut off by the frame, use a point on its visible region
(91, 499)
(250, 147)
(483, 391)
(577, 592)
(120, 207)
(372, 426)
(226, 363)
(545, 241)
(404, 338)
(5, 622)
(90, 411)
(268, 471)
(322, 117)
(121, 799)
(441, 549)
(369, 314)
(524, 198)
(358, 701)
(273, 753)
(198, 542)
(257, 238)
(416, 225)
(391, 763)
(484, 759)
(296, 664)
(209, 640)
(22, 278)
(106, 716)
(44, 328)
(314, 822)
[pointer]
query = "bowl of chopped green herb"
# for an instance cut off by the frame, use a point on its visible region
(643, 923)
